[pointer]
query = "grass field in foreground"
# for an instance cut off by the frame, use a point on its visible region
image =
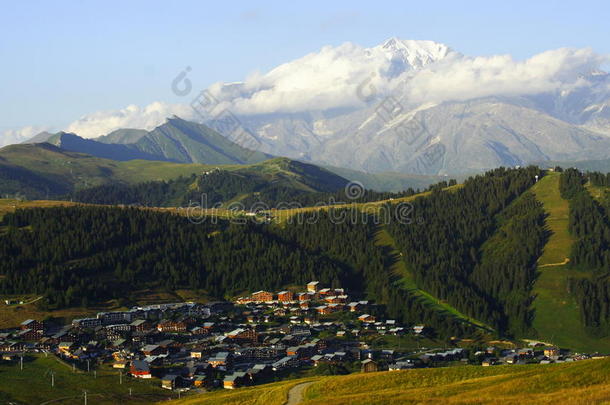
(557, 316)
(582, 382)
(33, 384)
(266, 394)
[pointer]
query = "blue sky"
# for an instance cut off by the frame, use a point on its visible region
(61, 60)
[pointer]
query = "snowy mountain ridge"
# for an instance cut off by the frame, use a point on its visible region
(364, 108)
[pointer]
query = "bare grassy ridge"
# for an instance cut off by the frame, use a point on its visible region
(369, 207)
(557, 316)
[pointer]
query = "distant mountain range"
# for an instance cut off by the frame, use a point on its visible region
(44, 170)
(420, 107)
(600, 165)
(175, 141)
(404, 106)
(51, 165)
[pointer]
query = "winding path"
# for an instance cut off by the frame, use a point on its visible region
(565, 261)
(295, 394)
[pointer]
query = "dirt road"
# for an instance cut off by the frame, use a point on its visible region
(295, 395)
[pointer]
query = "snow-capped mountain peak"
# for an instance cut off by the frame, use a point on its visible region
(415, 53)
(392, 106)
(416, 106)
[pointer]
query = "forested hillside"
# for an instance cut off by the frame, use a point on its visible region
(36, 171)
(98, 253)
(350, 241)
(451, 259)
(86, 254)
(473, 248)
(82, 255)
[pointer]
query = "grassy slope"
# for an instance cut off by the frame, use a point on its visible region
(9, 205)
(136, 171)
(575, 383)
(557, 317)
(295, 174)
(13, 315)
(80, 169)
(271, 173)
(33, 384)
(270, 169)
(185, 141)
(266, 394)
(373, 207)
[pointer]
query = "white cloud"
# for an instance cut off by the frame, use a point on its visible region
(466, 78)
(103, 122)
(13, 136)
(344, 76)
(424, 70)
(132, 116)
(326, 79)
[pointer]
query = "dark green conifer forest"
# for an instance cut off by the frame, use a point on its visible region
(474, 247)
(591, 251)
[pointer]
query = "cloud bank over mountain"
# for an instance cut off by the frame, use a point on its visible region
(132, 116)
(464, 78)
(323, 107)
(347, 75)
(422, 71)
(12, 136)
(335, 77)
(103, 122)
